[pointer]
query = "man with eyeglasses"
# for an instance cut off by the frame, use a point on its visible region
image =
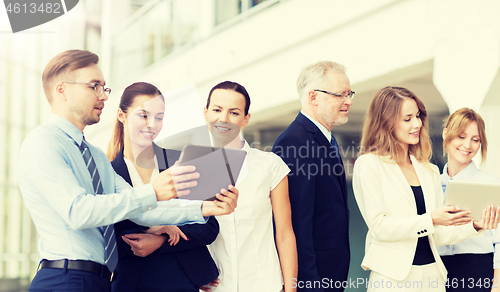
(317, 185)
(73, 194)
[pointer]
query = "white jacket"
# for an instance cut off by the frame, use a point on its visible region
(388, 206)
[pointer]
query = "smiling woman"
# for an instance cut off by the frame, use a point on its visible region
(246, 251)
(226, 114)
(400, 197)
(173, 258)
(142, 123)
(471, 263)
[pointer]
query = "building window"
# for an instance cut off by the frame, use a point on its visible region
(228, 9)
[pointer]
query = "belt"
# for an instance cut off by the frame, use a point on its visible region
(80, 265)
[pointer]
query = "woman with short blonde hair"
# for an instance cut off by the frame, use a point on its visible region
(473, 263)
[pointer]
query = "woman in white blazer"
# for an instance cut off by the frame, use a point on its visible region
(400, 197)
(473, 263)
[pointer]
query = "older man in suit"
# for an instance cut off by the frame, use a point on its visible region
(317, 185)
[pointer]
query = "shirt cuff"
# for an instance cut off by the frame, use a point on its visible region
(147, 196)
(194, 211)
(196, 204)
(190, 210)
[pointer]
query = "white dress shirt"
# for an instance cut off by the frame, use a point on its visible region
(322, 128)
(245, 251)
(485, 243)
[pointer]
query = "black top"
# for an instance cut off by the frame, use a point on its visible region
(423, 254)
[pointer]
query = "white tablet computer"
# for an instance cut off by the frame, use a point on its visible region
(473, 196)
(218, 168)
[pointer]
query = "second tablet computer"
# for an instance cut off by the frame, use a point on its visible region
(218, 168)
(473, 196)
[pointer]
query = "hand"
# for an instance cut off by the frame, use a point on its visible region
(206, 287)
(489, 218)
(450, 215)
(173, 232)
(144, 244)
(174, 182)
(225, 204)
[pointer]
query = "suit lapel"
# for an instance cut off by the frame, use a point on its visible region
(400, 178)
(319, 137)
(322, 141)
(161, 157)
(121, 168)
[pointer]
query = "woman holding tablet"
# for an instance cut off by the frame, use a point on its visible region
(472, 263)
(399, 194)
(178, 260)
(245, 249)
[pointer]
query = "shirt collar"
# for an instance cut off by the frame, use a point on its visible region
(67, 127)
(322, 128)
(246, 147)
(465, 174)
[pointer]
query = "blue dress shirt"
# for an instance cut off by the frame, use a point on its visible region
(485, 243)
(57, 190)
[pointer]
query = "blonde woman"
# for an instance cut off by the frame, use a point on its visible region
(400, 197)
(473, 263)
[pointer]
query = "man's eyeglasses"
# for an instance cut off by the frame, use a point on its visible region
(98, 88)
(340, 96)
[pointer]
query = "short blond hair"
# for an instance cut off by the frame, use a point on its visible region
(315, 74)
(63, 63)
(458, 122)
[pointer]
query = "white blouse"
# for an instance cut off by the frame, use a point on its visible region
(134, 174)
(485, 243)
(245, 251)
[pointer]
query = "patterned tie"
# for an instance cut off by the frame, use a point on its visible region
(109, 231)
(335, 146)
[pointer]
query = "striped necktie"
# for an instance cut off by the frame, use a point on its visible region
(111, 258)
(335, 146)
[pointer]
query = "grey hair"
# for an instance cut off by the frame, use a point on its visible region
(315, 74)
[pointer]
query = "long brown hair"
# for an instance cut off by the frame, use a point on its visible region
(458, 122)
(128, 97)
(380, 124)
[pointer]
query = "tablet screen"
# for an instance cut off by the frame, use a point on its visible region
(218, 168)
(473, 196)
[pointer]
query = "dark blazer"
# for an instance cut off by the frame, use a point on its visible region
(318, 199)
(183, 267)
